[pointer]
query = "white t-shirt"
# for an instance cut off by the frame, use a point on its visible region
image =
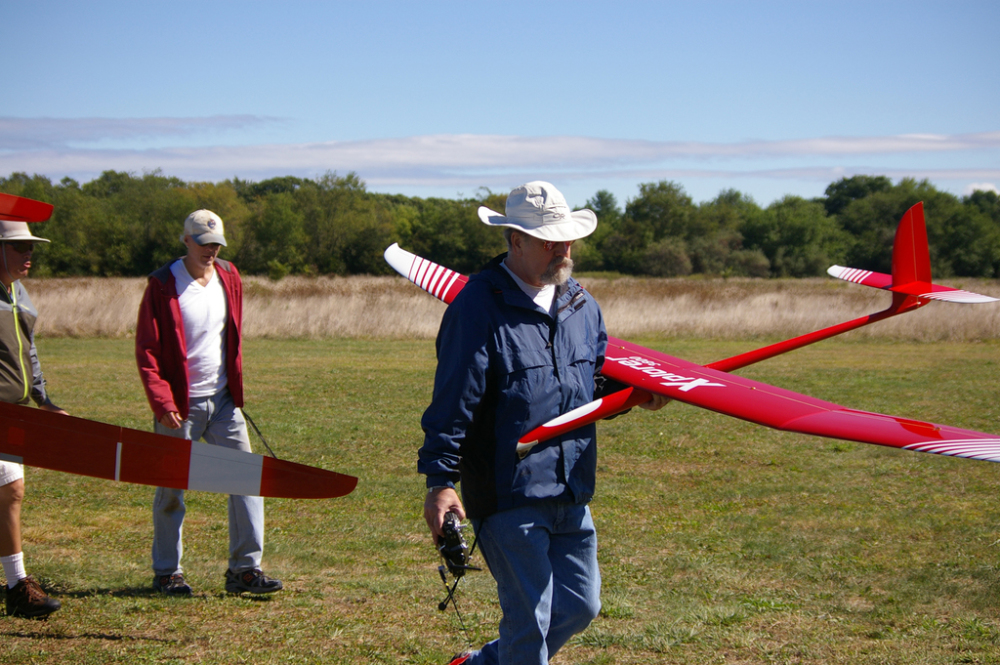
(542, 295)
(203, 309)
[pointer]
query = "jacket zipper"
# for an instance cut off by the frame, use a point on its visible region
(20, 342)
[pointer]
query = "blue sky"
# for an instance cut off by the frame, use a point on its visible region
(443, 98)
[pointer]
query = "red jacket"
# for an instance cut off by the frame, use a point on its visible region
(160, 348)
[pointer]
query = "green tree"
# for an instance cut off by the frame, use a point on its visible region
(349, 227)
(796, 236)
(872, 223)
(663, 209)
(715, 233)
(986, 202)
(274, 239)
(841, 193)
(586, 252)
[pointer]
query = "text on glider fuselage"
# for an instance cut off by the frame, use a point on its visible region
(649, 367)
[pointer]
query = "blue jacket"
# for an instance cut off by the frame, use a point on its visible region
(506, 366)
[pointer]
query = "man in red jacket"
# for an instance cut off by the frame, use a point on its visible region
(189, 352)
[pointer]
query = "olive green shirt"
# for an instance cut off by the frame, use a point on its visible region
(20, 373)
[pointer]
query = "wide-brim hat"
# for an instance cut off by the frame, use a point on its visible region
(540, 210)
(17, 232)
(204, 227)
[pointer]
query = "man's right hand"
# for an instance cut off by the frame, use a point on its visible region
(438, 502)
(171, 420)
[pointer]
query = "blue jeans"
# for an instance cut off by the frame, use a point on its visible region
(544, 559)
(216, 420)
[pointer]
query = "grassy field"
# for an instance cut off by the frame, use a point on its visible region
(720, 542)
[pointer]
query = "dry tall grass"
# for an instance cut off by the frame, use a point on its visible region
(392, 308)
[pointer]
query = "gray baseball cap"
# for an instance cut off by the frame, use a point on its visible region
(204, 227)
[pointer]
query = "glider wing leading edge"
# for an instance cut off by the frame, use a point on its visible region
(712, 387)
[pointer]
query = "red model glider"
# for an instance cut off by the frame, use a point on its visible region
(88, 448)
(712, 387)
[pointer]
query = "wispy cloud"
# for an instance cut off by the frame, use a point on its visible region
(60, 133)
(46, 146)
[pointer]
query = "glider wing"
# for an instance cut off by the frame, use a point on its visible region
(75, 445)
(647, 371)
(19, 209)
(782, 409)
(442, 283)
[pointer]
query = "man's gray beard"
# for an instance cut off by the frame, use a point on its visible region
(558, 275)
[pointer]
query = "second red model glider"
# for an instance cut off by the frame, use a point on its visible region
(713, 387)
(85, 447)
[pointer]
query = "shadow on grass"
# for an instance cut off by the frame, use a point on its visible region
(36, 635)
(149, 592)
(133, 592)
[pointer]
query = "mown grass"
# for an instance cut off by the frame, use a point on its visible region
(720, 541)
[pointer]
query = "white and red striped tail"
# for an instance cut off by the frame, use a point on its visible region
(925, 290)
(442, 283)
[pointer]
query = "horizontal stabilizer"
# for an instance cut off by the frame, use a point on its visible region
(925, 290)
(878, 280)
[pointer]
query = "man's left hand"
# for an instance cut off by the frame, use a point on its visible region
(655, 403)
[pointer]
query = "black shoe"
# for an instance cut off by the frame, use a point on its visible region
(251, 581)
(172, 585)
(27, 599)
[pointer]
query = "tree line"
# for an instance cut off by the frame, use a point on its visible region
(122, 224)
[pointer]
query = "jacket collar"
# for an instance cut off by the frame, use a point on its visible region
(501, 280)
(166, 278)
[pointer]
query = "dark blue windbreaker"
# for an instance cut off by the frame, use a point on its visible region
(506, 366)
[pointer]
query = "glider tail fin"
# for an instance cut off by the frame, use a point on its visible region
(911, 258)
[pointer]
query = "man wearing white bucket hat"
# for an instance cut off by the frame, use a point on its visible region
(21, 381)
(520, 345)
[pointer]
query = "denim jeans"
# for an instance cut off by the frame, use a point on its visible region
(216, 420)
(544, 559)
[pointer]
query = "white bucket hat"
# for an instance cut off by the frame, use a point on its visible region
(204, 227)
(17, 232)
(16, 212)
(540, 210)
